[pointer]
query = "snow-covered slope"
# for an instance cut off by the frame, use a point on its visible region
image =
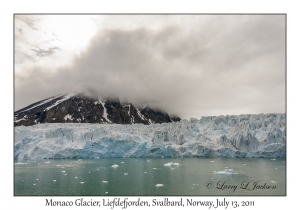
(262, 135)
(79, 108)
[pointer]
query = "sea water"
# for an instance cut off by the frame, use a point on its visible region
(142, 176)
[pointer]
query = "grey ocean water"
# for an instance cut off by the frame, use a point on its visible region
(193, 176)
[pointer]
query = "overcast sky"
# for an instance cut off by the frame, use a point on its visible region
(188, 65)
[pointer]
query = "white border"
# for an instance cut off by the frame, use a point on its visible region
(8, 8)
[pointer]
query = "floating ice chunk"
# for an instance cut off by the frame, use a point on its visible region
(122, 162)
(212, 161)
(37, 179)
(75, 177)
(159, 185)
(148, 161)
(273, 182)
(125, 174)
(89, 172)
(105, 182)
(115, 166)
(81, 182)
(162, 157)
(276, 168)
(54, 180)
(226, 172)
(65, 174)
(19, 163)
(34, 184)
(273, 159)
(154, 168)
(106, 192)
(244, 164)
(47, 162)
(171, 164)
(145, 172)
(63, 171)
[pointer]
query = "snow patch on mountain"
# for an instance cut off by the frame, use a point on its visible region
(141, 115)
(19, 120)
(67, 117)
(39, 104)
(262, 135)
(66, 97)
(105, 112)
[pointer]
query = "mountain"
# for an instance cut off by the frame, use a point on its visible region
(262, 135)
(78, 108)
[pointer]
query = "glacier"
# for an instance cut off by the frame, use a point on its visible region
(236, 136)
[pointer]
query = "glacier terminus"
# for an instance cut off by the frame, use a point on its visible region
(237, 136)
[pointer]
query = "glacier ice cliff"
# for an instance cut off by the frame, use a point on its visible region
(261, 135)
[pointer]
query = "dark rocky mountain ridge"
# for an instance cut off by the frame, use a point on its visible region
(78, 108)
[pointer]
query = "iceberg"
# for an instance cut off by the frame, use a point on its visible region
(19, 163)
(226, 172)
(261, 135)
(171, 164)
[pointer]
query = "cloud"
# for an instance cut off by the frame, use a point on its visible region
(40, 52)
(190, 66)
(29, 20)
